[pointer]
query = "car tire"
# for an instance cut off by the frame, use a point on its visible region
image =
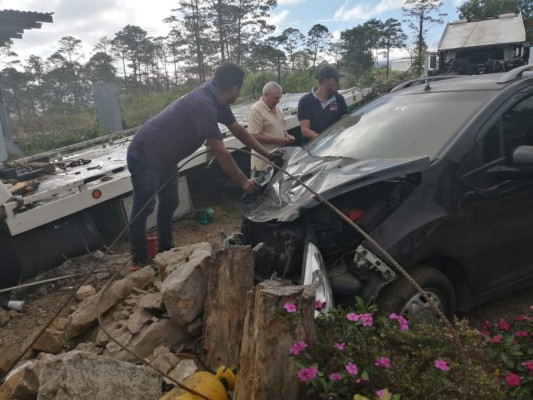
(402, 298)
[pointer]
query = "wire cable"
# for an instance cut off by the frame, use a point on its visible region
(456, 339)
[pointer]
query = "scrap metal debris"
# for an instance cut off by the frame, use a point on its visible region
(24, 188)
(72, 164)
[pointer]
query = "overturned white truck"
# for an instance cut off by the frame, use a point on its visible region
(481, 47)
(68, 201)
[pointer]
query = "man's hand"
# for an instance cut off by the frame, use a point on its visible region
(250, 186)
(290, 138)
(276, 154)
(284, 141)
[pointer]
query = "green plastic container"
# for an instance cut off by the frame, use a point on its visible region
(205, 216)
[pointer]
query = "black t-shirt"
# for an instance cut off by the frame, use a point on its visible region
(309, 107)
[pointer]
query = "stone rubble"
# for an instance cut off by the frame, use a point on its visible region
(157, 317)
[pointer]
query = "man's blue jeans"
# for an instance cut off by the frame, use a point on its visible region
(146, 182)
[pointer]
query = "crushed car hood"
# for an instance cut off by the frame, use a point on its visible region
(283, 198)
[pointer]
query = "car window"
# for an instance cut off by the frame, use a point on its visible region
(492, 149)
(400, 126)
(518, 126)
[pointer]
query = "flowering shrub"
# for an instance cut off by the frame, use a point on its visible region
(359, 355)
(510, 343)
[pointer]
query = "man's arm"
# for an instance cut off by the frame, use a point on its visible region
(305, 125)
(228, 165)
(275, 140)
(343, 107)
(248, 140)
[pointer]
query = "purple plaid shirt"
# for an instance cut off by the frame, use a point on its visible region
(180, 129)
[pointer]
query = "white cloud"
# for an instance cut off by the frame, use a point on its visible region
(290, 2)
(348, 12)
(277, 19)
(87, 20)
(336, 35)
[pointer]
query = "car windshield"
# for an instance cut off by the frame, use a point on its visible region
(400, 126)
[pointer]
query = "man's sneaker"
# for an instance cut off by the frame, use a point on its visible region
(139, 262)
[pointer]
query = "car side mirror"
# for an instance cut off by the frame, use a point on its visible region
(520, 165)
(522, 156)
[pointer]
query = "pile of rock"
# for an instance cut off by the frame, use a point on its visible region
(157, 315)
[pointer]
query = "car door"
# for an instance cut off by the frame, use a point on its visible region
(504, 206)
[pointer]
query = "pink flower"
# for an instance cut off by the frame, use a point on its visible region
(496, 339)
(529, 365)
(401, 320)
(339, 346)
(521, 318)
(335, 377)
(441, 365)
(351, 368)
(290, 308)
(504, 326)
(366, 319)
(512, 380)
(319, 306)
(521, 334)
(307, 374)
(384, 394)
(383, 362)
(297, 347)
(353, 317)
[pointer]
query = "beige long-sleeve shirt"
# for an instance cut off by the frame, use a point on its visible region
(262, 119)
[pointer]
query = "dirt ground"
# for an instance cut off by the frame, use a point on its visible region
(227, 221)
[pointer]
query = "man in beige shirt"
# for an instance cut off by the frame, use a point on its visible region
(266, 124)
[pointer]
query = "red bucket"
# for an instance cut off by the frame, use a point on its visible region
(151, 245)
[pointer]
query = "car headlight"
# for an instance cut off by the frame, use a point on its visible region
(314, 274)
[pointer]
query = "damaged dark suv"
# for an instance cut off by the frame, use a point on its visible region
(440, 174)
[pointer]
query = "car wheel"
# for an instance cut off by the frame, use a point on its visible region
(402, 298)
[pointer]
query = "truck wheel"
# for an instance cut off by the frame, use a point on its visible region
(402, 298)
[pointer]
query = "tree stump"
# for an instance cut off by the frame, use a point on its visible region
(266, 370)
(229, 281)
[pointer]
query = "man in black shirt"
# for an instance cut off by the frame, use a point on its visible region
(323, 106)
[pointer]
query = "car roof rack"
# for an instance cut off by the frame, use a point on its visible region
(422, 80)
(514, 74)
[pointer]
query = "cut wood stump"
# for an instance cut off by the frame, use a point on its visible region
(229, 281)
(266, 370)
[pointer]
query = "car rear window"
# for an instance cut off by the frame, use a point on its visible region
(400, 126)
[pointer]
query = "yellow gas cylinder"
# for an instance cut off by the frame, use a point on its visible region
(226, 374)
(205, 383)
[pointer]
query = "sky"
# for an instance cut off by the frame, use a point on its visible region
(89, 20)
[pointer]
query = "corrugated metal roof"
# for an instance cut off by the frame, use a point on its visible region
(503, 30)
(13, 23)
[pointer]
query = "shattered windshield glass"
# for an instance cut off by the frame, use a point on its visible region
(400, 126)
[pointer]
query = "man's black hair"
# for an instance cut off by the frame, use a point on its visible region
(228, 75)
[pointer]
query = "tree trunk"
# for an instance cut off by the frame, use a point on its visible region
(279, 69)
(388, 51)
(420, 38)
(199, 54)
(266, 370)
(220, 21)
(229, 281)
(377, 61)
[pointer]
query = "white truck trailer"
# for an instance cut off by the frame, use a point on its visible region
(86, 202)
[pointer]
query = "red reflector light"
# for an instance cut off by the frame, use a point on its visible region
(354, 215)
(96, 194)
